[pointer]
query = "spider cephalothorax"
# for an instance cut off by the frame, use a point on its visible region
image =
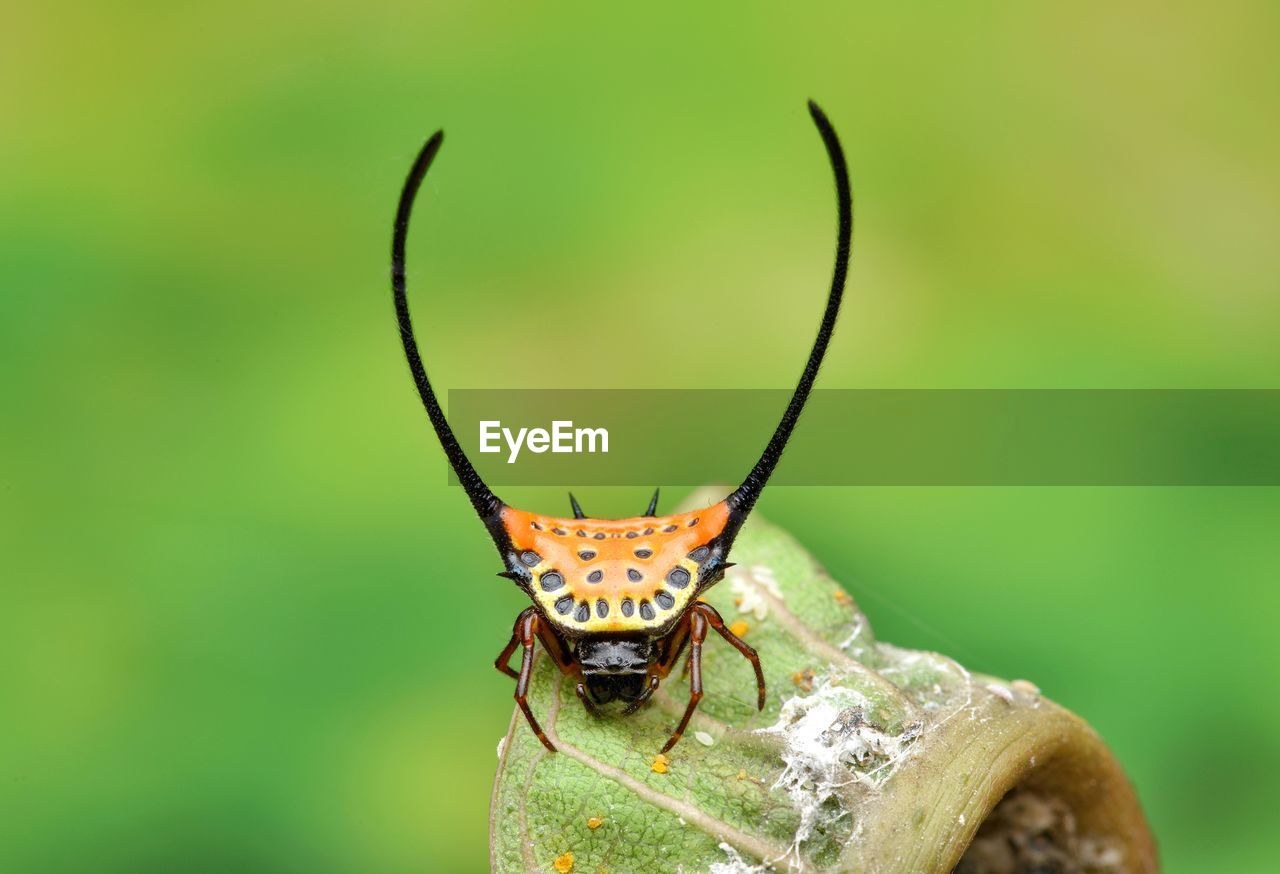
(615, 667)
(617, 601)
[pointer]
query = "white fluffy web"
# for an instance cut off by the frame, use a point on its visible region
(827, 746)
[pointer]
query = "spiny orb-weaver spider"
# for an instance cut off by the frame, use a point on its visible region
(616, 601)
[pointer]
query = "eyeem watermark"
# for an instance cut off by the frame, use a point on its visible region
(562, 437)
(877, 437)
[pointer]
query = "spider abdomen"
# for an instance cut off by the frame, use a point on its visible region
(591, 576)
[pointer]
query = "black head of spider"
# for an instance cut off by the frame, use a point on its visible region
(614, 669)
(618, 602)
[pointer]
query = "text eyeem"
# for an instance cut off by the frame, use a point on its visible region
(562, 437)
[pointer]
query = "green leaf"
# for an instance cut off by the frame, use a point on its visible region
(866, 757)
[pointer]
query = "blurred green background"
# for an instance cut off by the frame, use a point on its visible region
(245, 624)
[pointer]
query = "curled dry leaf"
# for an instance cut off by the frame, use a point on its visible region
(881, 760)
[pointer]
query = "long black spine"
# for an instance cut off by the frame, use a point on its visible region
(744, 498)
(485, 502)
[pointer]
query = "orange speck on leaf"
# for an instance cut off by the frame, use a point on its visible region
(563, 863)
(595, 822)
(660, 763)
(841, 596)
(740, 628)
(803, 679)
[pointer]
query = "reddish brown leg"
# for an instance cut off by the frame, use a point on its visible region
(715, 621)
(697, 634)
(526, 631)
(558, 651)
(675, 646)
(674, 643)
(561, 657)
(501, 662)
(631, 708)
(587, 704)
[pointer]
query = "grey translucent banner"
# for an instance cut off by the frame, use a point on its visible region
(875, 437)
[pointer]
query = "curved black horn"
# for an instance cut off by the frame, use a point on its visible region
(744, 498)
(653, 505)
(486, 503)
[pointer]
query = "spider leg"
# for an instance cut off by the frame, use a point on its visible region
(561, 656)
(673, 645)
(678, 642)
(697, 634)
(631, 708)
(717, 622)
(526, 630)
(505, 656)
(587, 704)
